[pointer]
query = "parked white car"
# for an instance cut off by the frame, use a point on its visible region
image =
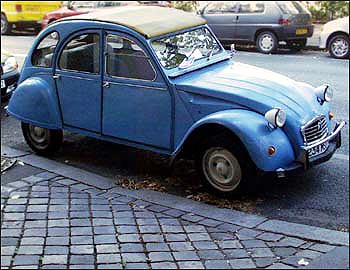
(335, 37)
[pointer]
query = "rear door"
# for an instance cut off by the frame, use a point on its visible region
(251, 16)
(78, 81)
(221, 17)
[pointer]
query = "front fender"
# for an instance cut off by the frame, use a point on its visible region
(251, 128)
(35, 102)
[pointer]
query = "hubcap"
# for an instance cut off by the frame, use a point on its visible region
(266, 42)
(221, 169)
(38, 135)
(340, 47)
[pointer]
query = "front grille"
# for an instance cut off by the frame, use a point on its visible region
(315, 130)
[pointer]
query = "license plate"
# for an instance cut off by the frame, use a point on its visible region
(301, 31)
(317, 150)
(3, 84)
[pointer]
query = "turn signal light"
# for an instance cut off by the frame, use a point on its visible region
(331, 116)
(271, 151)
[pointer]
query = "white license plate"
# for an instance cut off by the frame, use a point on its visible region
(317, 150)
(3, 84)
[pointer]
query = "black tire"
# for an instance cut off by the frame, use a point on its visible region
(333, 43)
(297, 45)
(225, 144)
(268, 37)
(49, 142)
(6, 27)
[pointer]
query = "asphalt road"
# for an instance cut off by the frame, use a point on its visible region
(319, 197)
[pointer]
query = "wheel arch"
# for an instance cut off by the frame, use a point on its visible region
(333, 35)
(247, 128)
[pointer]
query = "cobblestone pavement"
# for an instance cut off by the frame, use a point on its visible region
(52, 222)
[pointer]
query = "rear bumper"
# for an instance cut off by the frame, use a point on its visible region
(288, 32)
(304, 163)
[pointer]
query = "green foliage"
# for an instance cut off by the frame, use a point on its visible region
(186, 5)
(329, 10)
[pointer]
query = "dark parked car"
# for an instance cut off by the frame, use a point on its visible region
(264, 23)
(9, 74)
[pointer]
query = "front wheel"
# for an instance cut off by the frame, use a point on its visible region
(224, 166)
(42, 140)
(339, 47)
(267, 42)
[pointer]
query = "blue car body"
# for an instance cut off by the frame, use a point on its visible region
(163, 114)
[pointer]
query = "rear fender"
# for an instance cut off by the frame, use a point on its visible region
(251, 128)
(35, 102)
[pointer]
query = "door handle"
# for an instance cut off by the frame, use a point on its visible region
(56, 76)
(106, 84)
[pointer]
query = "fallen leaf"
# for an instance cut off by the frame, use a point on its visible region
(15, 197)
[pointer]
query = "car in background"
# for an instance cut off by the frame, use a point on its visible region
(24, 14)
(81, 7)
(335, 37)
(264, 23)
(9, 74)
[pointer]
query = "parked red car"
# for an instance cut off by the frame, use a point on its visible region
(80, 7)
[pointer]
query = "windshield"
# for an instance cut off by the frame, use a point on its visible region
(174, 51)
(287, 7)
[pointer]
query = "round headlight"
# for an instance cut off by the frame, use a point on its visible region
(324, 93)
(276, 117)
(10, 64)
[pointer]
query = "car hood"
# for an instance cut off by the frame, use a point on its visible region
(252, 88)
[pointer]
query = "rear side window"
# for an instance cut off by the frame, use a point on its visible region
(43, 53)
(221, 7)
(251, 7)
(287, 7)
(81, 54)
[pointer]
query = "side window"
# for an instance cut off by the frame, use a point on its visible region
(251, 7)
(221, 7)
(81, 54)
(124, 58)
(43, 53)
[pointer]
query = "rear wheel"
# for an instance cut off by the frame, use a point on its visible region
(339, 47)
(6, 27)
(42, 140)
(267, 42)
(297, 45)
(224, 165)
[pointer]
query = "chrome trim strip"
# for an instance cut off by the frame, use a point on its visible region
(330, 137)
(137, 85)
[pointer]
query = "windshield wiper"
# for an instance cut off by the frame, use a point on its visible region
(210, 54)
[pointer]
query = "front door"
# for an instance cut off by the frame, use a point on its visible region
(78, 80)
(136, 101)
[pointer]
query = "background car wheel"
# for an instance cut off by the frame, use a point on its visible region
(339, 47)
(224, 165)
(297, 45)
(267, 42)
(42, 140)
(6, 27)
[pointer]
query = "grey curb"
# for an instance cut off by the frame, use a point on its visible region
(183, 204)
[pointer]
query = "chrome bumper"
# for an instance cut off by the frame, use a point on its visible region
(331, 137)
